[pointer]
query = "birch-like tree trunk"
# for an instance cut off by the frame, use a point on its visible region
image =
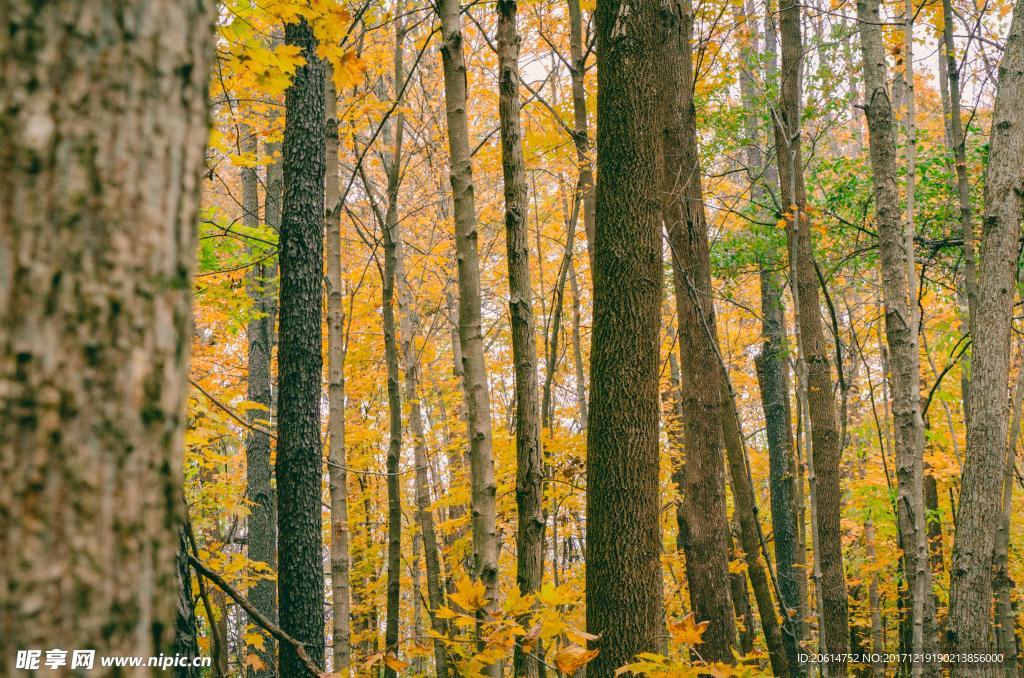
(529, 464)
(300, 362)
(970, 601)
(103, 127)
(478, 401)
(623, 545)
(337, 476)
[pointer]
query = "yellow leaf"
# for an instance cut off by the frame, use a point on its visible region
(469, 594)
(572, 657)
(687, 631)
(394, 663)
(254, 662)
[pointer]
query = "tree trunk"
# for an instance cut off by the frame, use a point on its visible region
(393, 167)
(813, 359)
(1005, 627)
(704, 506)
(581, 135)
(103, 128)
(478, 402)
(262, 533)
(897, 272)
(623, 545)
(970, 600)
(300, 363)
(341, 604)
(529, 471)
(577, 351)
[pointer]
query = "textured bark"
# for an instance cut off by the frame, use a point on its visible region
(341, 566)
(980, 497)
(478, 401)
(897, 273)
(1006, 625)
(529, 465)
(262, 533)
(581, 134)
(704, 507)
(812, 355)
(623, 545)
(102, 131)
(300, 363)
(186, 638)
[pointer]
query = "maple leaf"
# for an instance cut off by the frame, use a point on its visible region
(688, 631)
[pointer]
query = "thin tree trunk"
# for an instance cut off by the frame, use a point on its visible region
(478, 405)
(300, 362)
(980, 496)
(1005, 627)
(581, 136)
(341, 605)
(707, 526)
(262, 532)
(529, 471)
(623, 545)
(577, 351)
(898, 276)
(812, 351)
(102, 149)
(393, 168)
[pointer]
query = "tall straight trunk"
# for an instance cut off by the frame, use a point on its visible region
(577, 351)
(812, 349)
(970, 599)
(581, 134)
(186, 637)
(102, 148)
(341, 600)
(529, 465)
(897, 272)
(393, 168)
(623, 585)
(704, 506)
(300, 363)
(471, 340)
(1006, 626)
(262, 533)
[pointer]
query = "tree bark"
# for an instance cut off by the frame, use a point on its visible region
(337, 476)
(1006, 625)
(623, 545)
(581, 135)
(262, 533)
(897, 272)
(812, 354)
(300, 363)
(704, 506)
(970, 600)
(478, 406)
(577, 351)
(103, 128)
(529, 464)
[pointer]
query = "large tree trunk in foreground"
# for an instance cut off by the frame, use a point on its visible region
(813, 351)
(103, 126)
(341, 564)
(970, 602)
(471, 339)
(704, 508)
(897, 270)
(300, 363)
(529, 471)
(623, 587)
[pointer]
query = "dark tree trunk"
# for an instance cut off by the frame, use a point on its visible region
(300, 363)
(102, 131)
(262, 525)
(704, 506)
(529, 471)
(813, 351)
(623, 587)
